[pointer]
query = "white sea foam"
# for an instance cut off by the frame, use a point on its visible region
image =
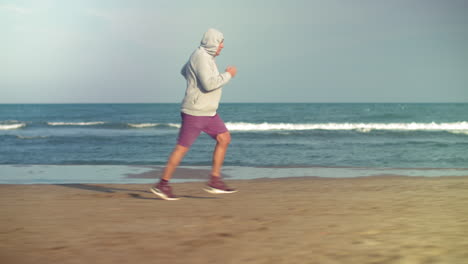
(456, 127)
(12, 126)
(31, 137)
(174, 125)
(75, 123)
(362, 127)
(143, 125)
(464, 132)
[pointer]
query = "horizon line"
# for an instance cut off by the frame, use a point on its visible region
(369, 102)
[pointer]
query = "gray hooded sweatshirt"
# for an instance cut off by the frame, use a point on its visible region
(204, 82)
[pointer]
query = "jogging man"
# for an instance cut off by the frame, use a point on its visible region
(198, 111)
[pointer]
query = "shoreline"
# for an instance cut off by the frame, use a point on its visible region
(204, 178)
(383, 219)
(141, 174)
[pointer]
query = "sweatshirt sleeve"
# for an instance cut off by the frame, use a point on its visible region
(183, 70)
(210, 81)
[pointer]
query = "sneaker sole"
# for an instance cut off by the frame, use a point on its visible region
(217, 191)
(162, 195)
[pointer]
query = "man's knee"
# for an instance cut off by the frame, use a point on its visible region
(181, 149)
(224, 138)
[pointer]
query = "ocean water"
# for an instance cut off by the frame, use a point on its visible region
(364, 135)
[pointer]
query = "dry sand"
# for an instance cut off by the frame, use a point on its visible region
(302, 220)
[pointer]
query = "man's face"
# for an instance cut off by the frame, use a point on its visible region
(220, 47)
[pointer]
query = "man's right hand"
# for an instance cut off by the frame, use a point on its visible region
(232, 70)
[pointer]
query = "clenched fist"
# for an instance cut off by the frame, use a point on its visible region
(232, 70)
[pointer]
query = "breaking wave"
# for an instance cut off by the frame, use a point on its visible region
(30, 137)
(75, 123)
(11, 125)
(143, 125)
(455, 127)
(146, 125)
(458, 127)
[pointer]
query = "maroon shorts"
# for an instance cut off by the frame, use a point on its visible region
(192, 126)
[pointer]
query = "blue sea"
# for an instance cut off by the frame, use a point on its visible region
(269, 135)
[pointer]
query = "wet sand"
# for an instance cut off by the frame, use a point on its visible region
(385, 219)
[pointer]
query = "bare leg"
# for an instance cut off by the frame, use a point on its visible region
(222, 143)
(174, 160)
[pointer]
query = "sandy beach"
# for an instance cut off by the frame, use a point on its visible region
(385, 219)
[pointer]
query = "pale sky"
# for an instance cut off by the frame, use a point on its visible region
(109, 51)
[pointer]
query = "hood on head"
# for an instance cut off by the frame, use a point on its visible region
(211, 40)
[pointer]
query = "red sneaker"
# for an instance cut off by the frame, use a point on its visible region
(164, 191)
(216, 186)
